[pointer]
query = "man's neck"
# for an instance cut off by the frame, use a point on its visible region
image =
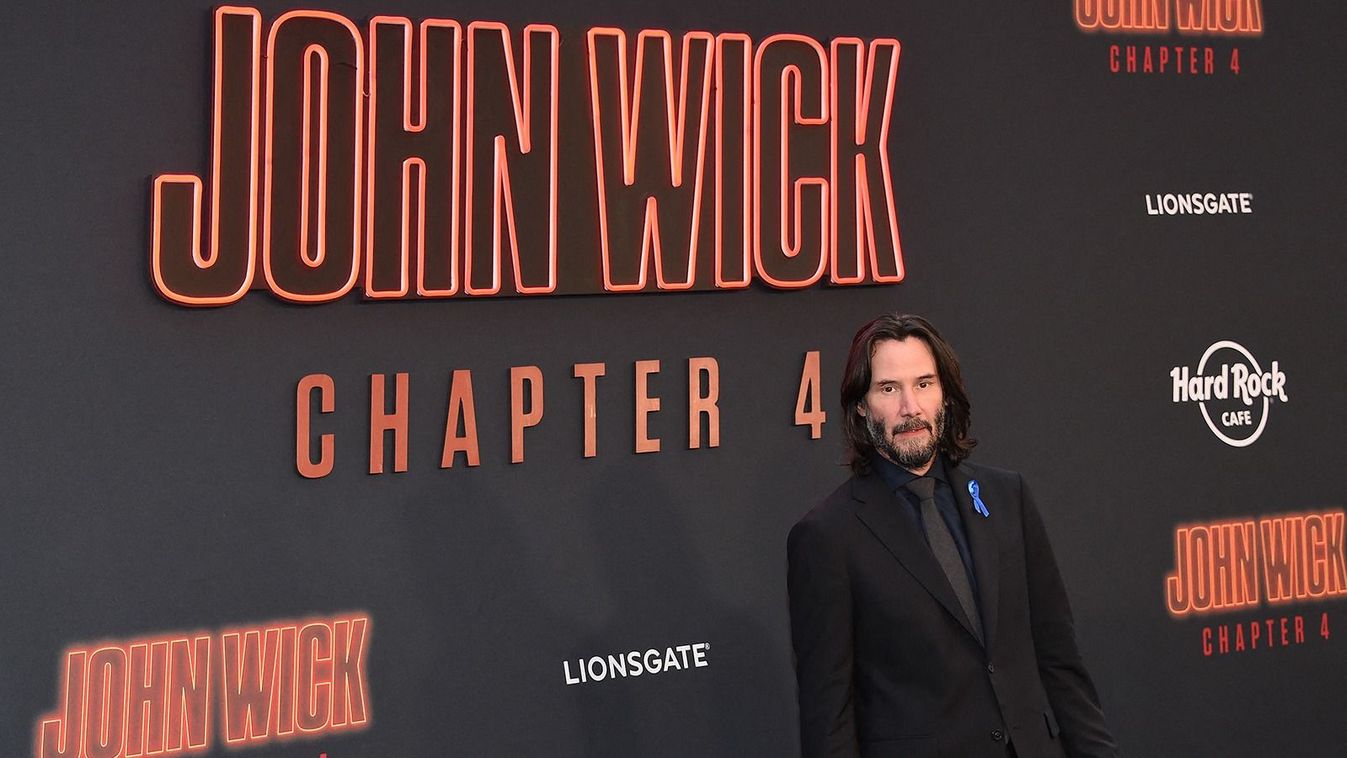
(923, 470)
(898, 476)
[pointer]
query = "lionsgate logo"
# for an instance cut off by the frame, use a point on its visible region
(1233, 391)
(1199, 204)
(634, 663)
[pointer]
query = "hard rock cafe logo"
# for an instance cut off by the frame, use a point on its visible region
(1232, 390)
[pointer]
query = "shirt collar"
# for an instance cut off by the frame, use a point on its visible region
(897, 477)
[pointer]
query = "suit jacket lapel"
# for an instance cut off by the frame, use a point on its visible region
(879, 510)
(983, 545)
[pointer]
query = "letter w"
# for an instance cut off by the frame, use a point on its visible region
(1278, 559)
(644, 208)
(250, 666)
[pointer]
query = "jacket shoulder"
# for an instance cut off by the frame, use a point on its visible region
(838, 506)
(986, 473)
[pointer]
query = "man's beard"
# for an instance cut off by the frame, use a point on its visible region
(910, 457)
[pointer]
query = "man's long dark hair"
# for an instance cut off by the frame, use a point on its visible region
(954, 442)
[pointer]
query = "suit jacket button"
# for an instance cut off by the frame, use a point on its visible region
(997, 734)
(991, 669)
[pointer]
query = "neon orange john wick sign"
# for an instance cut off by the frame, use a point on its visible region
(439, 161)
(1192, 17)
(182, 692)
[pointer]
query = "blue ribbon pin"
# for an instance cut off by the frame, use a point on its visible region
(978, 505)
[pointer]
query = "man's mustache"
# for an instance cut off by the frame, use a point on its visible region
(910, 426)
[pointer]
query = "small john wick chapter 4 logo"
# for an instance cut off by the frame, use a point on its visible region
(1233, 391)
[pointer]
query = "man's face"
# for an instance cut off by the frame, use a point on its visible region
(904, 408)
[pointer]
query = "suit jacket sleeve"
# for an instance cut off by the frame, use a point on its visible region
(1071, 692)
(821, 633)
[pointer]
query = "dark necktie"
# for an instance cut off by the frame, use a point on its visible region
(946, 552)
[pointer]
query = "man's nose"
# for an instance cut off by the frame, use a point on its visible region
(907, 403)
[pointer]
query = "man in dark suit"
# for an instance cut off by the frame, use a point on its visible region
(927, 613)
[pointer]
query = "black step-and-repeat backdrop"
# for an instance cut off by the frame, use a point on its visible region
(443, 379)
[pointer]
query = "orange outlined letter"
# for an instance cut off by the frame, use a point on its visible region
(182, 272)
(61, 732)
(790, 89)
(506, 130)
(733, 162)
(147, 699)
(651, 135)
(864, 221)
(414, 155)
(314, 137)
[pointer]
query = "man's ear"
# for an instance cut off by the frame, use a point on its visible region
(860, 409)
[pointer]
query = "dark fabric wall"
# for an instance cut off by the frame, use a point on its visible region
(149, 478)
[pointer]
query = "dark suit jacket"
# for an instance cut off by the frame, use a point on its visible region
(888, 665)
